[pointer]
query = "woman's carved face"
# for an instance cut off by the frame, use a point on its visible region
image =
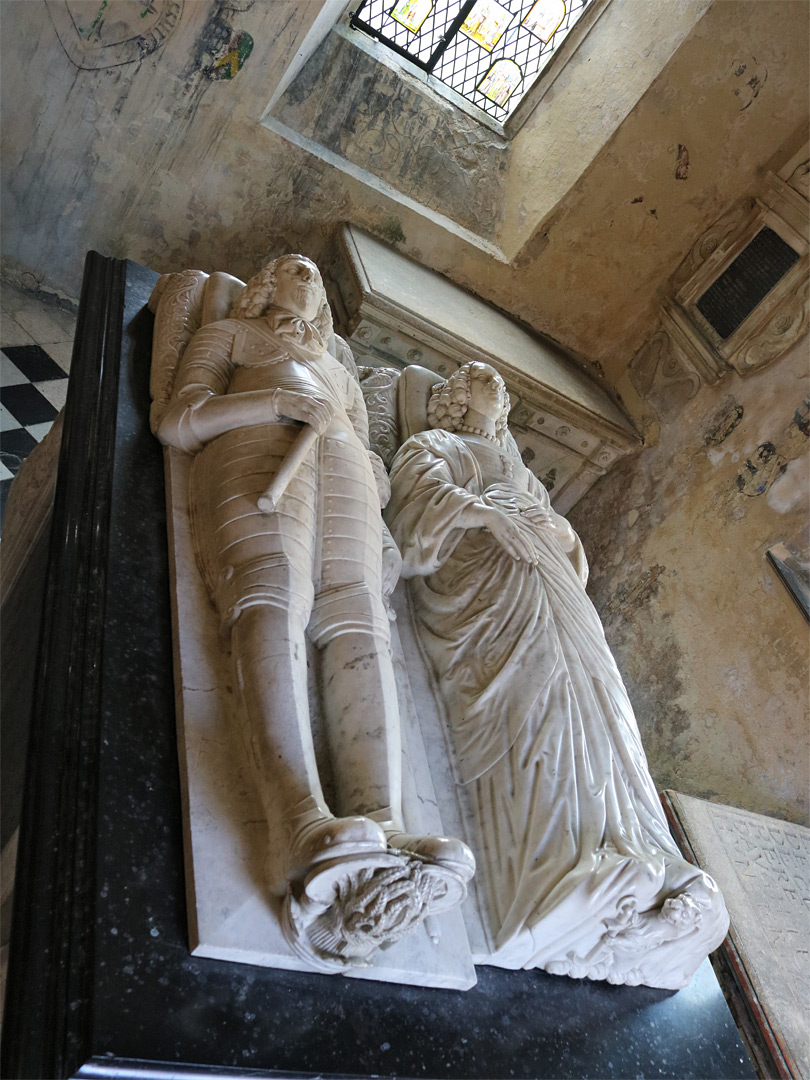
(299, 288)
(487, 391)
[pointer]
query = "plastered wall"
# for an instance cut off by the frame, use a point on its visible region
(712, 647)
(162, 157)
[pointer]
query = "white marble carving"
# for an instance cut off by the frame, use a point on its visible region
(284, 502)
(577, 872)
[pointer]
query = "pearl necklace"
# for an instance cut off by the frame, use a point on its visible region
(468, 429)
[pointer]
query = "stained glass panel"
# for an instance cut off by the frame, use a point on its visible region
(487, 23)
(501, 81)
(411, 13)
(461, 42)
(544, 18)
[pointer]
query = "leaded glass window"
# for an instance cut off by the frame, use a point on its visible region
(489, 51)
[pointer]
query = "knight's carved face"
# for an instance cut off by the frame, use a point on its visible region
(299, 288)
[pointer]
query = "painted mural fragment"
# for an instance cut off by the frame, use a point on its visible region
(682, 164)
(801, 417)
(722, 421)
(233, 60)
(752, 76)
(760, 470)
(98, 34)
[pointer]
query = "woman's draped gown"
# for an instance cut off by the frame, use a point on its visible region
(580, 874)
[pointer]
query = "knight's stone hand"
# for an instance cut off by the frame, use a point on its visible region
(306, 408)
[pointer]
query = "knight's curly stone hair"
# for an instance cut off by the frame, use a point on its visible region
(255, 299)
(449, 401)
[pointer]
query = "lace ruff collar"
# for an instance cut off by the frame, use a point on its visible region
(294, 330)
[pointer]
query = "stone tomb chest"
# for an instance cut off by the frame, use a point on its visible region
(394, 313)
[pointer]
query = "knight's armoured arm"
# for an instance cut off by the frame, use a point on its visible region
(201, 407)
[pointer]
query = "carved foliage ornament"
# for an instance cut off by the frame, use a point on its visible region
(782, 330)
(709, 242)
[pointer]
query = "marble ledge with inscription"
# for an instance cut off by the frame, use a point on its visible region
(763, 867)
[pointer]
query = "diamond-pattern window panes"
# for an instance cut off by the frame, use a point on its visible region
(489, 51)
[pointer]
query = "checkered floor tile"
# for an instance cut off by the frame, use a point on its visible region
(33, 387)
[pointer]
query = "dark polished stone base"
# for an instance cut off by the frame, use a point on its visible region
(101, 982)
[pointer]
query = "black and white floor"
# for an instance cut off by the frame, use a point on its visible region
(36, 342)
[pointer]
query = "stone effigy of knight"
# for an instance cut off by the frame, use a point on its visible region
(257, 397)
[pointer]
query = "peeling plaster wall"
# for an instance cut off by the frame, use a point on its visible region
(713, 649)
(159, 160)
(592, 95)
(700, 138)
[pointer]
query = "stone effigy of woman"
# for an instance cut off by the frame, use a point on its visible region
(577, 869)
(285, 501)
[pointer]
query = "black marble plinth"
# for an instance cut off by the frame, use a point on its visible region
(101, 982)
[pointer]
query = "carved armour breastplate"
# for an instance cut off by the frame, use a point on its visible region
(266, 361)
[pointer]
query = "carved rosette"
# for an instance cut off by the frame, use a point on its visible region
(662, 377)
(782, 330)
(345, 910)
(712, 239)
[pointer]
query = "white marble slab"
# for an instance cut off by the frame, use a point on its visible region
(232, 915)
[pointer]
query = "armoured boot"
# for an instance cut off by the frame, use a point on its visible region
(446, 852)
(316, 835)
